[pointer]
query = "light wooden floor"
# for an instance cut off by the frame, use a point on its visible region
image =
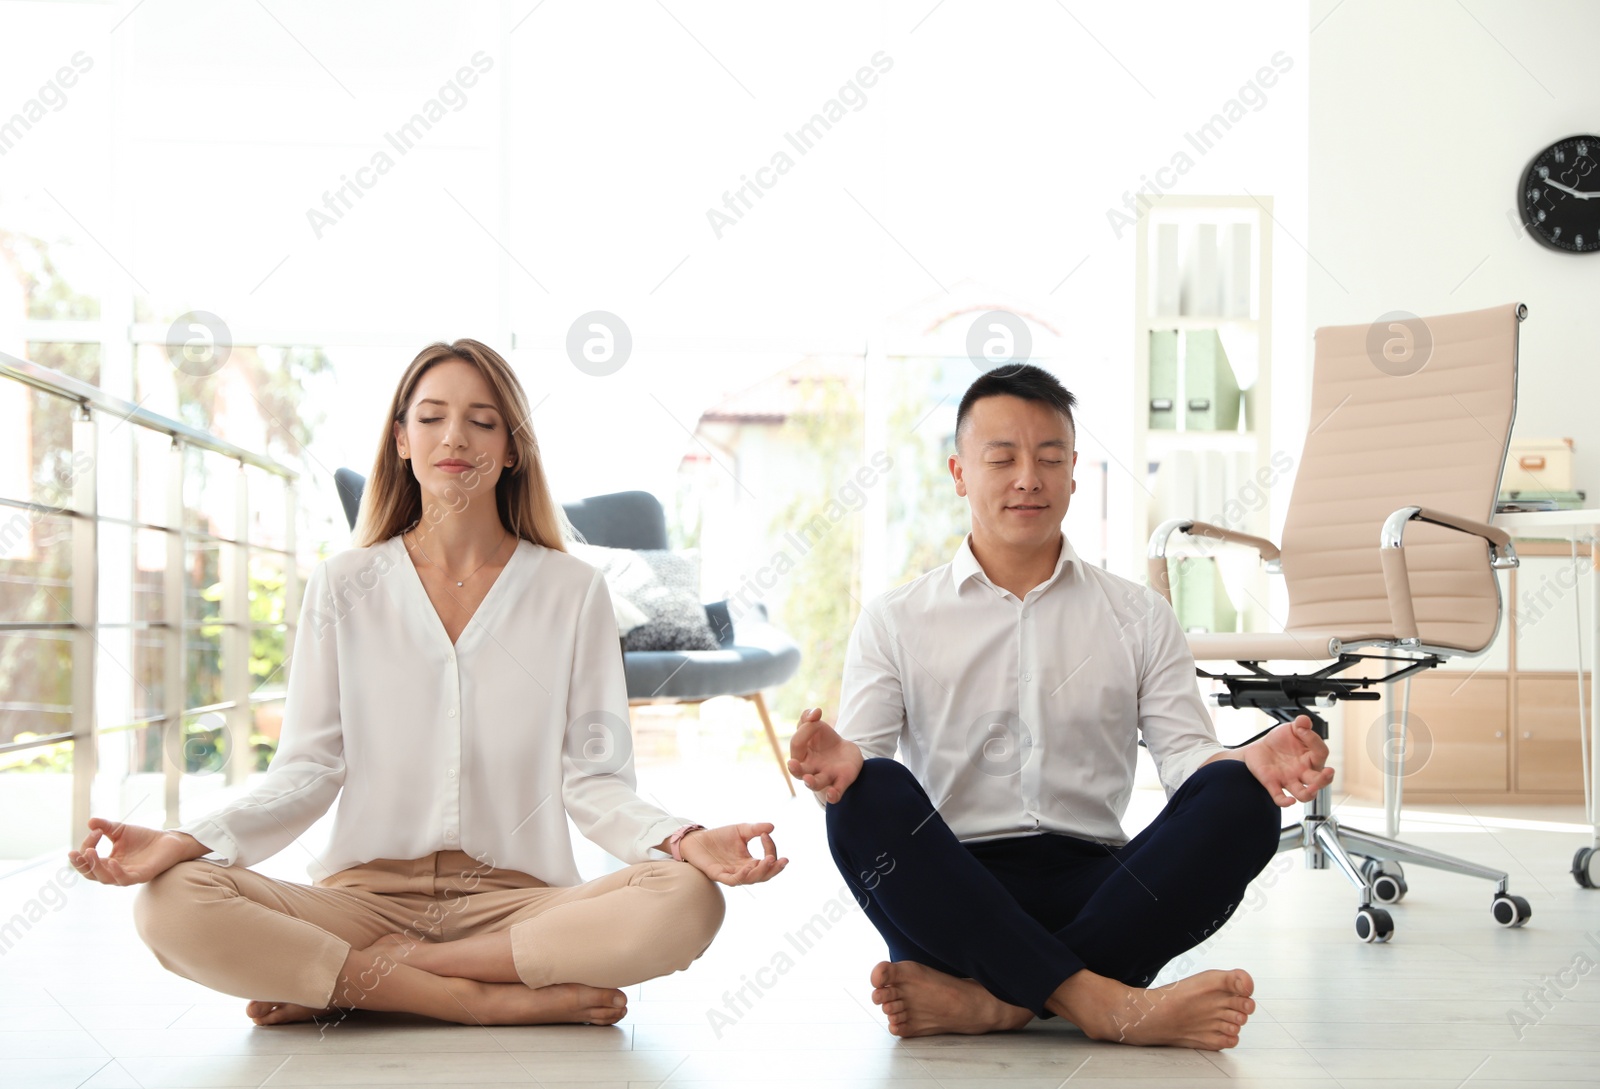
(83, 1004)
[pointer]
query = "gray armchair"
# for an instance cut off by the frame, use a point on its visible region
(753, 655)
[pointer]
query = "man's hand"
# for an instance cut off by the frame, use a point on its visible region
(137, 854)
(723, 854)
(821, 758)
(1290, 762)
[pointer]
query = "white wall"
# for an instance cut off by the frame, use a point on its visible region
(1424, 116)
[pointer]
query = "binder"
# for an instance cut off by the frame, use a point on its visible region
(1211, 392)
(1163, 380)
(1199, 597)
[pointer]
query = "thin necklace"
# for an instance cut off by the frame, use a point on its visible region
(475, 570)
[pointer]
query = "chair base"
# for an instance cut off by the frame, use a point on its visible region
(1326, 842)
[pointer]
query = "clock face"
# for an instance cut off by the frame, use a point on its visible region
(1560, 195)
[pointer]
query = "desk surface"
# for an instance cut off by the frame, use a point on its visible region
(1547, 519)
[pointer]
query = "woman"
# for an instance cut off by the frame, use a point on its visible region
(457, 684)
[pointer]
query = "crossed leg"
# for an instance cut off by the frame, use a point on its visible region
(982, 961)
(524, 956)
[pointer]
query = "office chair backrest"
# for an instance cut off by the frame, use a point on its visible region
(1402, 414)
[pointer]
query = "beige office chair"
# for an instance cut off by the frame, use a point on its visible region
(1386, 548)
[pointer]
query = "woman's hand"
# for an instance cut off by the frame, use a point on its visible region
(137, 854)
(723, 854)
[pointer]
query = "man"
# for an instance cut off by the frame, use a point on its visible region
(1016, 680)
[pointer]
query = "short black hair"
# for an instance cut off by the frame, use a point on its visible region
(1024, 381)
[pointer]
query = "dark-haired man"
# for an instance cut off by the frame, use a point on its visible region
(1016, 681)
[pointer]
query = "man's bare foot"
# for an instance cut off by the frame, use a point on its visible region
(282, 1013)
(920, 1001)
(1205, 1010)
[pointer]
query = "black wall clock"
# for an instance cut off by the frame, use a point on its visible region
(1560, 195)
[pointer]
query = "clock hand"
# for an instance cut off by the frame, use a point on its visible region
(1553, 184)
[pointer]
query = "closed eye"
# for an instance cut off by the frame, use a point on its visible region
(436, 419)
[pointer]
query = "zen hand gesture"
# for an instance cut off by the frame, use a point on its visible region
(723, 854)
(1290, 762)
(821, 758)
(137, 854)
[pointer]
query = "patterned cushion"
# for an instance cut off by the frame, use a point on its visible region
(664, 585)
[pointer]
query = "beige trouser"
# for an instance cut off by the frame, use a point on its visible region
(238, 932)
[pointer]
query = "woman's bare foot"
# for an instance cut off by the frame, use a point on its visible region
(1205, 1010)
(920, 1001)
(560, 1003)
(490, 1004)
(283, 1013)
(399, 946)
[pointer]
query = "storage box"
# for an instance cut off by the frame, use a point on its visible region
(1538, 465)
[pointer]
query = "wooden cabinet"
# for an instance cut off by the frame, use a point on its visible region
(1461, 728)
(1548, 752)
(1503, 726)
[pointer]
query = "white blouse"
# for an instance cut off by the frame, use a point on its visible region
(484, 746)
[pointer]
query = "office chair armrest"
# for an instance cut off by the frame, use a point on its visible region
(1396, 576)
(1162, 580)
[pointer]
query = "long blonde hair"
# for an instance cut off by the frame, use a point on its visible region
(391, 502)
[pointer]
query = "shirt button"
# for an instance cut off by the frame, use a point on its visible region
(1027, 676)
(451, 773)
(450, 837)
(452, 712)
(1024, 614)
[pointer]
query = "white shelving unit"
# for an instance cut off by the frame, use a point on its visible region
(1205, 263)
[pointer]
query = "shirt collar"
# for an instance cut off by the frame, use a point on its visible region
(965, 565)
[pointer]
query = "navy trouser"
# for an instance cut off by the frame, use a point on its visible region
(1021, 914)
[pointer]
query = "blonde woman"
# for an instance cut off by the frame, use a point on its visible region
(457, 686)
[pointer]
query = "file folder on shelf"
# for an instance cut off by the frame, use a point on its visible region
(1163, 379)
(1211, 392)
(1199, 596)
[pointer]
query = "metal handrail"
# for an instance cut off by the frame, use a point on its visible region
(233, 617)
(49, 380)
(277, 695)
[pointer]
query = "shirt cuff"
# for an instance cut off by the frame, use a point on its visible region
(659, 832)
(223, 849)
(1186, 764)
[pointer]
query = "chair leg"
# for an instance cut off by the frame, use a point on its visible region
(1327, 837)
(772, 737)
(1373, 846)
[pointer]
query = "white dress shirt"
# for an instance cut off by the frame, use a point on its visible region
(1022, 717)
(484, 746)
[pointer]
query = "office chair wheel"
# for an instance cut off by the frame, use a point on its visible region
(1510, 911)
(1586, 867)
(1374, 924)
(1389, 888)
